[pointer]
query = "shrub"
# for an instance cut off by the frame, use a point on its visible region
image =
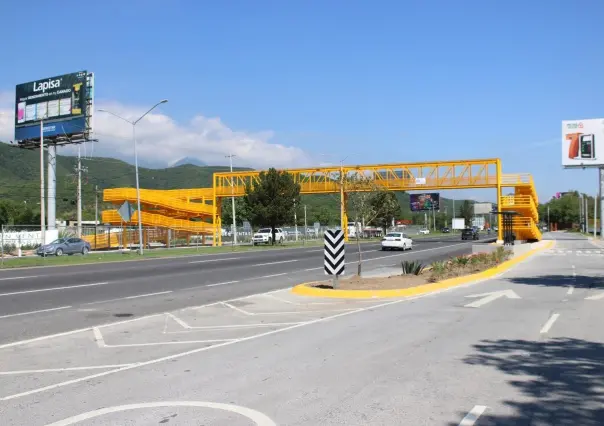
(460, 261)
(439, 267)
(412, 267)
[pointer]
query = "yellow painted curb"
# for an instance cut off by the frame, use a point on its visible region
(306, 290)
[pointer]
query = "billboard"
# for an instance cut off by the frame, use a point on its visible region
(63, 103)
(424, 202)
(483, 208)
(458, 223)
(583, 143)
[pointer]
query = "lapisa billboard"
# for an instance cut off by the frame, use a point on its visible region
(61, 102)
(583, 143)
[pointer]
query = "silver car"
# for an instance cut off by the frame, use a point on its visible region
(64, 246)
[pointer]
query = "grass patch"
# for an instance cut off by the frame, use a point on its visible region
(77, 259)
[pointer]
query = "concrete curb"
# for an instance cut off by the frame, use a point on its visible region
(306, 290)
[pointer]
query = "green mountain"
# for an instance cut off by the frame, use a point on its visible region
(20, 183)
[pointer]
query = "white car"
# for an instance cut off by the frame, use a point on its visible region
(424, 231)
(396, 241)
(265, 236)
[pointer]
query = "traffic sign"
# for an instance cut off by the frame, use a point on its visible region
(334, 261)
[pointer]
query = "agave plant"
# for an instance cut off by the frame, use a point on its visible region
(460, 261)
(412, 267)
(439, 267)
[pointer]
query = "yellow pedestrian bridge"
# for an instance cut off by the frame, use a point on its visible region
(197, 210)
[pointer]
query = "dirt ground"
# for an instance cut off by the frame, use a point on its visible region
(387, 283)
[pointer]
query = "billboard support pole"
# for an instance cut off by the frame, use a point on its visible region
(601, 195)
(42, 209)
(595, 213)
(51, 194)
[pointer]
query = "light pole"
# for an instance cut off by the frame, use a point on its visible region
(138, 191)
(230, 157)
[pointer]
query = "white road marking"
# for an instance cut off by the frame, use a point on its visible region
(100, 341)
(127, 297)
(69, 333)
(217, 284)
(216, 260)
(571, 289)
(549, 323)
(491, 296)
(230, 326)
(14, 293)
(314, 269)
(472, 417)
(228, 305)
(34, 312)
(257, 417)
(19, 278)
(205, 348)
(268, 276)
(274, 263)
(61, 370)
(596, 296)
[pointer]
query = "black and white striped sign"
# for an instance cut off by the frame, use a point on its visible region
(334, 252)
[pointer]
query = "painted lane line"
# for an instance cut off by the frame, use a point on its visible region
(216, 260)
(596, 296)
(53, 289)
(34, 312)
(571, 289)
(61, 370)
(275, 263)
(100, 341)
(230, 326)
(549, 323)
(127, 298)
(19, 278)
(269, 276)
(207, 348)
(228, 305)
(313, 269)
(218, 284)
(472, 417)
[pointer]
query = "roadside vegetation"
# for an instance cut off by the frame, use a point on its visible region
(466, 265)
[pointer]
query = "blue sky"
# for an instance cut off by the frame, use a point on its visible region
(383, 81)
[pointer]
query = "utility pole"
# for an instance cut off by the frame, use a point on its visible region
(96, 205)
(595, 213)
(234, 226)
(295, 221)
(42, 201)
(79, 171)
(305, 226)
(549, 226)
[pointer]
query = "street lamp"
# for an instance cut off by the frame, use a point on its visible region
(138, 191)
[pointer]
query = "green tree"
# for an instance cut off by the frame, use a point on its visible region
(387, 208)
(271, 201)
(362, 191)
(466, 210)
(241, 212)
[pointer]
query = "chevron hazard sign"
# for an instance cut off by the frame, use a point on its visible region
(334, 252)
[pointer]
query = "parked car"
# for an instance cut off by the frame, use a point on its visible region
(63, 246)
(470, 234)
(424, 231)
(445, 230)
(265, 236)
(396, 241)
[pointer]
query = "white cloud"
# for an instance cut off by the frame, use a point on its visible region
(163, 141)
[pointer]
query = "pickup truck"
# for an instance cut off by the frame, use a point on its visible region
(265, 236)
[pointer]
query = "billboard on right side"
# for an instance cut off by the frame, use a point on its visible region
(583, 143)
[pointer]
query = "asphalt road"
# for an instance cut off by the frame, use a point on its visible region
(46, 300)
(533, 357)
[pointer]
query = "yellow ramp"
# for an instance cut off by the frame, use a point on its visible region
(177, 202)
(160, 221)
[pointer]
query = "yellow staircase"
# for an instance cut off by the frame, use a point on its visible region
(524, 202)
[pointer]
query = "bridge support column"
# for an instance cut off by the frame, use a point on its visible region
(344, 214)
(217, 222)
(499, 204)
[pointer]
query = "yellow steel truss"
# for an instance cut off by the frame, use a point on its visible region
(424, 176)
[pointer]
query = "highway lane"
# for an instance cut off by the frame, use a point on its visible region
(535, 359)
(54, 300)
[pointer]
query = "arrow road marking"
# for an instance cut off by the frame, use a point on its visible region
(489, 297)
(596, 296)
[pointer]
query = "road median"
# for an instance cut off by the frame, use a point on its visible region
(313, 290)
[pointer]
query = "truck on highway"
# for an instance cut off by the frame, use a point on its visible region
(265, 236)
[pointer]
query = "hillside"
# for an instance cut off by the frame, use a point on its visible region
(20, 182)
